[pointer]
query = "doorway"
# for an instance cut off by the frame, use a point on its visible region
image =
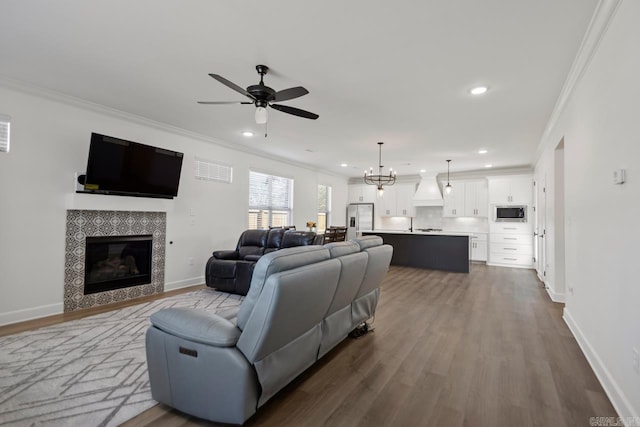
(540, 227)
(559, 234)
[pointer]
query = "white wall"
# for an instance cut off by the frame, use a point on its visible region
(601, 132)
(50, 142)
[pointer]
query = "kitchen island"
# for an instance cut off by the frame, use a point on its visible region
(449, 251)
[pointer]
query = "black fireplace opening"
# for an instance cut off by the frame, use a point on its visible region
(115, 262)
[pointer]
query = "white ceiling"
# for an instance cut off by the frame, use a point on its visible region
(392, 71)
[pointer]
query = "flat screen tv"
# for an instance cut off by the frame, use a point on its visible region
(128, 168)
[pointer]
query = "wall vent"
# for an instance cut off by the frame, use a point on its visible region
(5, 127)
(210, 171)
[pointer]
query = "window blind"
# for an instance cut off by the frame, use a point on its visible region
(270, 200)
(5, 132)
(324, 207)
(210, 171)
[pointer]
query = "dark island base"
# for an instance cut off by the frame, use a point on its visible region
(436, 252)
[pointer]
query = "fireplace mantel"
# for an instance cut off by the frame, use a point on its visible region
(103, 202)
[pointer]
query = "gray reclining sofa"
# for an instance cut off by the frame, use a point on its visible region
(302, 302)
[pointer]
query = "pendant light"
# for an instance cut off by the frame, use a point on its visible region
(379, 180)
(448, 187)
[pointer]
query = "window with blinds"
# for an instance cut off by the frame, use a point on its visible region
(210, 171)
(324, 207)
(5, 133)
(270, 200)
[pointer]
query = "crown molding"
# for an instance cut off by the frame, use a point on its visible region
(23, 87)
(598, 26)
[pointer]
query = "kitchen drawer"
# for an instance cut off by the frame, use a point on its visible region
(478, 237)
(510, 227)
(513, 239)
(507, 248)
(511, 259)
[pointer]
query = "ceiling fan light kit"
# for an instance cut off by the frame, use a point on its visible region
(380, 180)
(263, 96)
(261, 115)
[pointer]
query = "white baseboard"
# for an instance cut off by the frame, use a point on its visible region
(30, 313)
(555, 296)
(179, 284)
(617, 397)
(58, 308)
(497, 264)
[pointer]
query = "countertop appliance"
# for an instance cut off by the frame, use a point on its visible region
(512, 213)
(359, 219)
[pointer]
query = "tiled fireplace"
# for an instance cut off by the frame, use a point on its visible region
(116, 228)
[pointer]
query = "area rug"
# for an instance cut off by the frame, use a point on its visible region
(87, 372)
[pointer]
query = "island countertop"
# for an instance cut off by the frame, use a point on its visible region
(422, 233)
(437, 250)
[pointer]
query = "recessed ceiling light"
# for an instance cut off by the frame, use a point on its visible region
(488, 166)
(344, 165)
(482, 151)
(423, 170)
(247, 133)
(478, 90)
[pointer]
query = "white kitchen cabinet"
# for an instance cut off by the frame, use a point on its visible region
(387, 204)
(404, 201)
(453, 201)
(478, 246)
(512, 190)
(362, 193)
(467, 199)
(476, 199)
(397, 201)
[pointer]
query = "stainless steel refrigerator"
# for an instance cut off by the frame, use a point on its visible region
(359, 219)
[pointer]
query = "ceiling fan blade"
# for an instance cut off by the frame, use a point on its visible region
(232, 85)
(223, 102)
(291, 93)
(295, 111)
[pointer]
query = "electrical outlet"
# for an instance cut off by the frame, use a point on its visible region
(191, 261)
(636, 360)
(571, 290)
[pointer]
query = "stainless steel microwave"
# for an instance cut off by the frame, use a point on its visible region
(510, 213)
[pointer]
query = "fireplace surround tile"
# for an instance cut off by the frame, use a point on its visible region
(91, 223)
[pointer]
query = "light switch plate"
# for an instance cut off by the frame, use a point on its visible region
(618, 176)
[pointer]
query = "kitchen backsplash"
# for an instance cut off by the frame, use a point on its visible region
(431, 217)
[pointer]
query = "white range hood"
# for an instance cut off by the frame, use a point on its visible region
(428, 192)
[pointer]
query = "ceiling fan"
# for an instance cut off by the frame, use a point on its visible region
(263, 96)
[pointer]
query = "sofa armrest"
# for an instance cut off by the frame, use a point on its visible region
(252, 258)
(196, 325)
(226, 254)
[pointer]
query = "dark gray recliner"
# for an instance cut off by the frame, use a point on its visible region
(231, 270)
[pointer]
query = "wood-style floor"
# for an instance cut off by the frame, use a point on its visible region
(487, 348)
